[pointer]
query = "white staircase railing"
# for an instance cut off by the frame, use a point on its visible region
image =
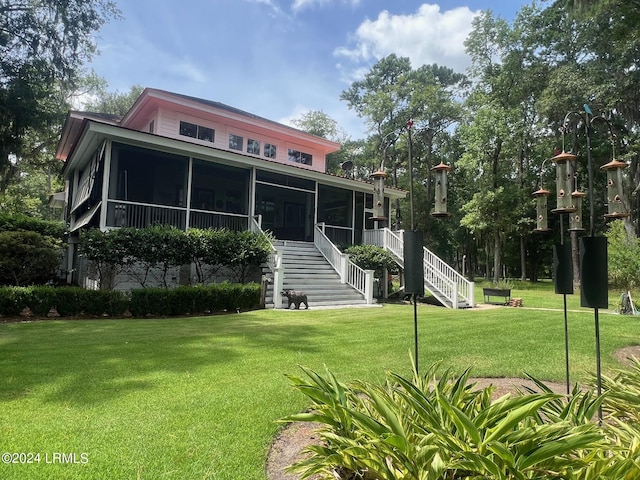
(351, 274)
(440, 279)
(274, 262)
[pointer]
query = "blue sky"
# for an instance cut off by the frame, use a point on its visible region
(280, 58)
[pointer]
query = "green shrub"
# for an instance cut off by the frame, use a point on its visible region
(68, 301)
(42, 300)
(99, 302)
(142, 252)
(441, 427)
(624, 256)
(148, 301)
(49, 228)
(249, 251)
(14, 299)
(371, 257)
(72, 301)
(28, 258)
(194, 300)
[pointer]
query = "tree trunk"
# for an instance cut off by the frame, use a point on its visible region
(487, 272)
(523, 259)
(496, 257)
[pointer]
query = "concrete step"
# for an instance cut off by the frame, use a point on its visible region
(306, 270)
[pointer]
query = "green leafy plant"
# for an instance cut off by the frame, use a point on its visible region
(150, 255)
(28, 258)
(438, 426)
(372, 257)
(17, 222)
(623, 256)
(504, 284)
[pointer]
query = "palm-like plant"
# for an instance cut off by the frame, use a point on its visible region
(438, 426)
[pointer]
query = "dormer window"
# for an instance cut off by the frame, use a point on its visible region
(253, 147)
(235, 142)
(300, 157)
(197, 131)
(269, 150)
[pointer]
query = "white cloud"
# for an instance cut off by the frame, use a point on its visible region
(296, 113)
(427, 36)
(299, 5)
(188, 71)
(275, 9)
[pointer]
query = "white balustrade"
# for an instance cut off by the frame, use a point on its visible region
(437, 273)
(358, 278)
(274, 262)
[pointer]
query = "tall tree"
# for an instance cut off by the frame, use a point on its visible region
(43, 46)
(391, 96)
(318, 123)
(114, 103)
(498, 133)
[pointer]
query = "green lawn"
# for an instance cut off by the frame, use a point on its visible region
(198, 398)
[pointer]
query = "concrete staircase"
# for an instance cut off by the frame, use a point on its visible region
(446, 285)
(306, 270)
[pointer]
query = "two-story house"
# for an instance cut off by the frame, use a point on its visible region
(193, 163)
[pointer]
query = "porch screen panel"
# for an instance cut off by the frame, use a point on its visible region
(148, 176)
(90, 183)
(219, 188)
(285, 180)
(335, 206)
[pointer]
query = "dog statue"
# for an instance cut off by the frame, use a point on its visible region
(296, 298)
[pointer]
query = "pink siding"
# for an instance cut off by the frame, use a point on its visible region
(167, 110)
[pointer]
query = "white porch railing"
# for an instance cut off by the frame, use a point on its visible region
(274, 262)
(361, 280)
(122, 213)
(438, 274)
(388, 240)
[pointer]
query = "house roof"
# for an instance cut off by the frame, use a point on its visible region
(136, 117)
(82, 132)
(151, 98)
(73, 125)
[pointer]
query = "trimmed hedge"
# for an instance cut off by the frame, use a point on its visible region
(195, 300)
(17, 222)
(72, 301)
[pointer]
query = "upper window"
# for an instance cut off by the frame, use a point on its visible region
(269, 150)
(197, 131)
(300, 157)
(253, 146)
(235, 142)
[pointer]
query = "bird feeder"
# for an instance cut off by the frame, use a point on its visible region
(541, 210)
(378, 195)
(564, 182)
(440, 207)
(614, 190)
(575, 218)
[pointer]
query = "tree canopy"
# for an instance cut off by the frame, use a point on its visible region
(497, 125)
